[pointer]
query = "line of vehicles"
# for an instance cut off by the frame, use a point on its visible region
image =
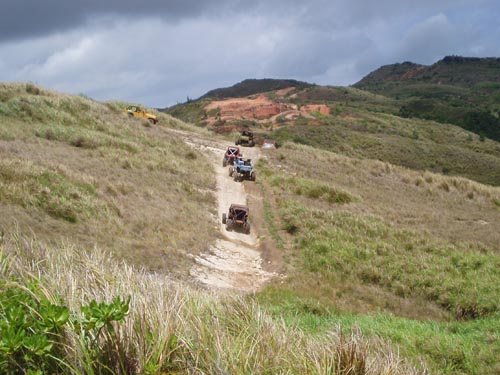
(240, 169)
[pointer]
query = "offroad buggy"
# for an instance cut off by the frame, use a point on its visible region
(237, 217)
(245, 139)
(231, 154)
(242, 170)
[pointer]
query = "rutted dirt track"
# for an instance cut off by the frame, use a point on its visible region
(234, 262)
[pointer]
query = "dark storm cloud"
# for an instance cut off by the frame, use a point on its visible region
(31, 18)
(158, 52)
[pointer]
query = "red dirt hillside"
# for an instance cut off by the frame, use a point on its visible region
(260, 109)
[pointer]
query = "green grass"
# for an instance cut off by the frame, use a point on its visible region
(392, 260)
(338, 246)
(49, 189)
(379, 259)
(447, 347)
(414, 144)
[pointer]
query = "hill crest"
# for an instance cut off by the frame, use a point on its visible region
(456, 70)
(253, 86)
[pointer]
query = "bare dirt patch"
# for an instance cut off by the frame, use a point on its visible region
(259, 109)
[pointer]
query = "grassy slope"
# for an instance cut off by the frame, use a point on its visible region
(85, 180)
(175, 329)
(365, 125)
(449, 91)
(77, 170)
(410, 256)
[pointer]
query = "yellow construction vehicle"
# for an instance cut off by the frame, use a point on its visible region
(136, 111)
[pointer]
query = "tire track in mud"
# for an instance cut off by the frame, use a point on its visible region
(234, 262)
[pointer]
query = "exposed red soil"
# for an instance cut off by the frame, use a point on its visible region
(260, 109)
(321, 108)
(244, 108)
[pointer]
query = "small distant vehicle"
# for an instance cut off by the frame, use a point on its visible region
(237, 217)
(242, 170)
(136, 111)
(230, 156)
(245, 139)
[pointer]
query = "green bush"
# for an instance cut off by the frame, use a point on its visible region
(34, 331)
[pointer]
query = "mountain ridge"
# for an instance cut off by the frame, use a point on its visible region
(486, 69)
(251, 86)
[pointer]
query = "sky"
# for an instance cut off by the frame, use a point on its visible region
(160, 52)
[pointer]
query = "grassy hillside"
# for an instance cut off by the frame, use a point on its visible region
(386, 269)
(369, 125)
(98, 214)
(458, 90)
(363, 130)
(409, 256)
(72, 169)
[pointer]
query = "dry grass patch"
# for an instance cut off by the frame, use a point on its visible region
(172, 328)
(85, 172)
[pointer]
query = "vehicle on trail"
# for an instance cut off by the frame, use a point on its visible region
(237, 218)
(245, 139)
(242, 170)
(231, 154)
(136, 111)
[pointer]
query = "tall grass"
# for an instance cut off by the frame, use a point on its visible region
(173, 328)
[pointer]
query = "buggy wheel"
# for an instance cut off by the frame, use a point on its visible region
(224, 162)
(250, 143)
(236, 176)
(224, 218)
(231, 171)
(252, 176)
(229, 224)
(246, 227)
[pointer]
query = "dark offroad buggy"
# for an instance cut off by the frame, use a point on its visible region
(237, 217)
(231, 154)
(242, 170)
(245, 139)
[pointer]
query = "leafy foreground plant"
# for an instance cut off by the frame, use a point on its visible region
(164, 327)
(34, 330)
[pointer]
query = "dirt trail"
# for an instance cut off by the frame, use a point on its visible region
(234, 262)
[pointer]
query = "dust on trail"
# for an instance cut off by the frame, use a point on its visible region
(234, 261)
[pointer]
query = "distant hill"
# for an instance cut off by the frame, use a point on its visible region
(356, 123)
(451, 70)
(464, 91)
(254, 86)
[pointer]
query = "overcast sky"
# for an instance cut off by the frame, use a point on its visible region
(159, 52)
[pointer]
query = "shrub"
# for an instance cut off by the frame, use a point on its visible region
(32, 89)
(35, 330)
